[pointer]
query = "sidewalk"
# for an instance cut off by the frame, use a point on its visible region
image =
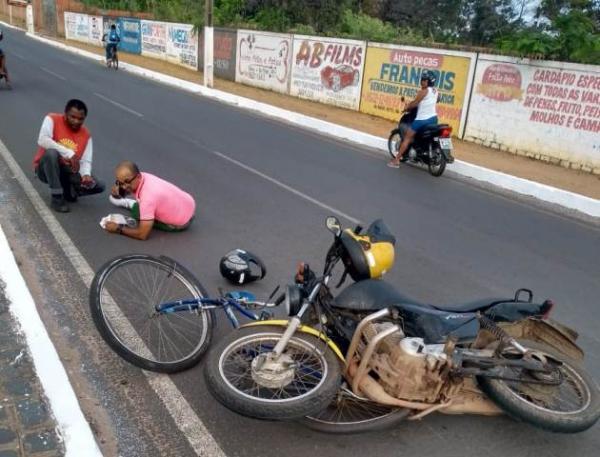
(39, 412)
(27, 428)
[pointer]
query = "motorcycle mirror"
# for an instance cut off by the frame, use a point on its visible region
(333, 225)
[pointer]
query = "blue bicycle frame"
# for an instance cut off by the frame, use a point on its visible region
(235, 300)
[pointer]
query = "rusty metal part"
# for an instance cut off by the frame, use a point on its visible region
(433, 409)
(373, 391)
(359, 332)
(366, 356)
(549, 332)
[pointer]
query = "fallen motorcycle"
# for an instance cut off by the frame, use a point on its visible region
(372, 356)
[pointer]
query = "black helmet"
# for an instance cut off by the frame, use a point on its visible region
(240, 267)
(429, 76)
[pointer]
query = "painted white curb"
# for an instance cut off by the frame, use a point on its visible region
(10, 26)
(549, 194)
(78, 438)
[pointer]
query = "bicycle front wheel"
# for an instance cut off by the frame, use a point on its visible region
(123, 297)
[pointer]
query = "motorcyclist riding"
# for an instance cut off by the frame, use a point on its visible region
(425, 102)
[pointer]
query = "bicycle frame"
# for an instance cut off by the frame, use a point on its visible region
(226, 304)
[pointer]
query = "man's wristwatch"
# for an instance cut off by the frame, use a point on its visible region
(120, 229)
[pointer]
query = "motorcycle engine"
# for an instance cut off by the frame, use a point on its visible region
(407, 368)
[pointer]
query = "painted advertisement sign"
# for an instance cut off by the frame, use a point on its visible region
(130, 33)
(107, 22)
(264, 59)
(547, 108)
(70, 26)
(182, 45)
(95, 30)
(223, 53)
(82, 27)
(154, 39)
(393, 73)
(328, 70)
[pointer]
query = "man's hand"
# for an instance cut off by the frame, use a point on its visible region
(111, 227)
(74, 161)
(87, 181)
(115, 191)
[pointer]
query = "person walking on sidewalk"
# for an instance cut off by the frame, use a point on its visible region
(153, 202)
(64, 157)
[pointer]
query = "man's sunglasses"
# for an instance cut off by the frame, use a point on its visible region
(125, 182)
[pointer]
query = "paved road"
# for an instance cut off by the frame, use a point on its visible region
(456, 240)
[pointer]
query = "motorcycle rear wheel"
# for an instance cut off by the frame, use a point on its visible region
(348, 413)
(437, 164)
(538, 404)
(306, 381)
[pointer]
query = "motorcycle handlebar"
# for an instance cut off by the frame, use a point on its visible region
(280, 299)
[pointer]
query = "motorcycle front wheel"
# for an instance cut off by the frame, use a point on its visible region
(348, 413)
(437, 163)
(394, 141)
(570, 406)
(302, 381)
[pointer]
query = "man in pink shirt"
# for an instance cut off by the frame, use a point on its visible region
(157, 203)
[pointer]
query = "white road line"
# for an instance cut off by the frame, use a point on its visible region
(186, 420)
(118, 105)
(18, 56)
(56, 75)
(300, 194)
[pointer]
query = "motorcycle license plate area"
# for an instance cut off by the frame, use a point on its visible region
(446, 143)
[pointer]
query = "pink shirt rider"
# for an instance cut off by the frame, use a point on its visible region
(162, 201)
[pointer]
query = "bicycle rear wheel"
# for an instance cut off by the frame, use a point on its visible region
(123, 297)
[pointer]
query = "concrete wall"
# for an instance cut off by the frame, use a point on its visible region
(546, 110)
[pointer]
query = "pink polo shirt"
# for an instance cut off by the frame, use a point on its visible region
(162, 201)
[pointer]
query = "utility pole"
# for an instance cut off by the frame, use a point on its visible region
(29, 18)
(208, 43)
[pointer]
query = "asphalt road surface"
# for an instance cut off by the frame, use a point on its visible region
(267, 187)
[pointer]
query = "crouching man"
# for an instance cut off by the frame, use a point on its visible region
(153, 202)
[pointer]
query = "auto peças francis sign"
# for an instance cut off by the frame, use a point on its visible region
(328, 70)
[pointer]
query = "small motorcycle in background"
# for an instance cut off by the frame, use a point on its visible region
(432, 145)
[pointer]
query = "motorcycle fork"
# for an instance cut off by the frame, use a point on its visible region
(289, 331)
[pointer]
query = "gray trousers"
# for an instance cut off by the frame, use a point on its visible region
(60, 178)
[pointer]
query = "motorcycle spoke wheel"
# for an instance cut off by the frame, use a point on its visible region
(571, 396)
(394, 141)
(570, 404)
(348, 413)
(242, 373)
(237, 371)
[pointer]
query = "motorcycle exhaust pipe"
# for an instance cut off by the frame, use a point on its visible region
(367, 386)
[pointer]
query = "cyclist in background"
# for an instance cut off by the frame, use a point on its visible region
(112, 39)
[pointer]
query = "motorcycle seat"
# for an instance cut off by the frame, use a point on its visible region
(430, 130)
(374, 294)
